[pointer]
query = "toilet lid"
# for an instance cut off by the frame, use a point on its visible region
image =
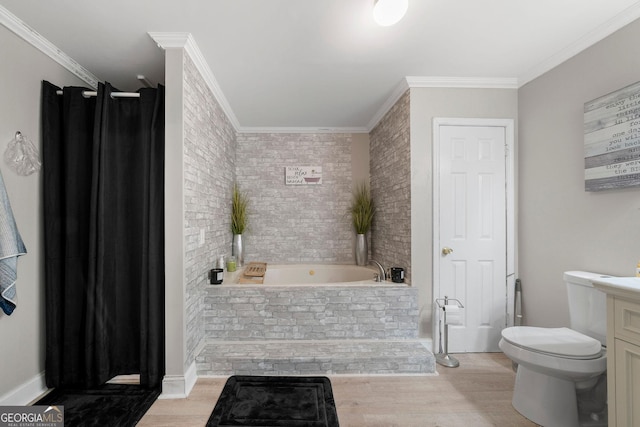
(563, 342)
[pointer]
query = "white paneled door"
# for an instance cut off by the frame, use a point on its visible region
(471, 241)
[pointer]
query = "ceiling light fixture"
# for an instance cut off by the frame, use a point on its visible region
(388, 12)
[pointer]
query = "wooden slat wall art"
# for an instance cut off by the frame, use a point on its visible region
(612, 140)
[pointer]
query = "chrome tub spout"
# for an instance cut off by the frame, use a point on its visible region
(383, 274)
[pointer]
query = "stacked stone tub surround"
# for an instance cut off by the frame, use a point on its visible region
(336, 328)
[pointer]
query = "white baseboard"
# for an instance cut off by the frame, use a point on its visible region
(179, 386)
(173, 387)
(26, 392)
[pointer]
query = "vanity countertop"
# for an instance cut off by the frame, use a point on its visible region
(628, 287)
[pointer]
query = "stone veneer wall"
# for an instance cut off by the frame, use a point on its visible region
(390, 167)
(296, 223)
(209, 173)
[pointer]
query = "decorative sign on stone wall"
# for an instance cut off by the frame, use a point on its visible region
(303, 175)
(612, 140)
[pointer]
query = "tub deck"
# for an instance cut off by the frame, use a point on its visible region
(336, 328)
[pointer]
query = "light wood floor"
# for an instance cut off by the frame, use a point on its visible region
(476, 394)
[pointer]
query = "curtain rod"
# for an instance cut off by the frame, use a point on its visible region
(88, 93)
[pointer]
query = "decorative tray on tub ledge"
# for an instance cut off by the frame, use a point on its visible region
(253, 273)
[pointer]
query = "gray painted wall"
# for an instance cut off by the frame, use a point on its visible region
(562, 227)
(427, 104)
(22, 334)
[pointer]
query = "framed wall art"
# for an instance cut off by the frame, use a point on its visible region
(612, 140)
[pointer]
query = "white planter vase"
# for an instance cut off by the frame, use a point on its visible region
(237, 249)
(362, 250)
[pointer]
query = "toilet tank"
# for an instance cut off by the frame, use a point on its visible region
(587, 305)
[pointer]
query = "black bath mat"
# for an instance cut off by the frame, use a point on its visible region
(275, 401)
(119, 405)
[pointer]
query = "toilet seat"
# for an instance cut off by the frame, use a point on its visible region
(559, 342)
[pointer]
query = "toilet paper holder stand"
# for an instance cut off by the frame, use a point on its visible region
(443, 358)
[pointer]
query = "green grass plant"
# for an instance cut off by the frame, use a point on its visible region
(239, 204)
(362, 208)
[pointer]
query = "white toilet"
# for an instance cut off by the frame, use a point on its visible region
(561, 377)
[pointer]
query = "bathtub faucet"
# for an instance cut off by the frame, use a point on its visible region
(383, 275)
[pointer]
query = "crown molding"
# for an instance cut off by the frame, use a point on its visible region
(248, 129)
(399, 90)
(463, 82)
(171, 40)
(31, 36)
(186, 41)
(622, 19)
(443, 82)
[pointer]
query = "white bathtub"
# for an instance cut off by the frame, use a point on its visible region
(301, 274)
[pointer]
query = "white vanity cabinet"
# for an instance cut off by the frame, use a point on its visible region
(623, 349)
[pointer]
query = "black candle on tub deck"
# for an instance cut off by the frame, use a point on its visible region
(216, 275)
(397, 274)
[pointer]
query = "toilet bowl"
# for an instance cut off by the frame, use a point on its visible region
(561, 371)
(547, 381)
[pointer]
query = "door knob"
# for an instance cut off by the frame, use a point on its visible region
(446, 251)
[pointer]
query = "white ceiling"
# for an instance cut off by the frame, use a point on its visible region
(323, 63)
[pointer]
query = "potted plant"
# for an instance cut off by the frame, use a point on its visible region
(239, 203)
(362, 213)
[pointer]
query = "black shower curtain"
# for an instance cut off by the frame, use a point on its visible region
(103, 172)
